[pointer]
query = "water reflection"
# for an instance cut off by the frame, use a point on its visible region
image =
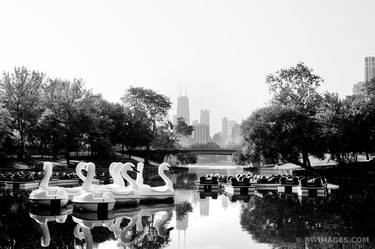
(196, 220)
(43, 217)
(290, 219)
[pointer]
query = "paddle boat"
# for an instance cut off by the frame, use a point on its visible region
(113, 169)
(45, 195)
(128, 195)
(164, 192)
(74, 191)
(288, 184)
(43, 217)
(312, 187)
(238, 185)
(115, 172)
(207, 183)
(204, 194)
(92, 199)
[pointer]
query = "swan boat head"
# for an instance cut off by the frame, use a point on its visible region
(124, 172)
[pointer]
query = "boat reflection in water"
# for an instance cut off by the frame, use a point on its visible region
(130, 227)
(42, 217)
(263, 220)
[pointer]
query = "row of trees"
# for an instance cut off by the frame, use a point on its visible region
(46, 116)
(301, 122)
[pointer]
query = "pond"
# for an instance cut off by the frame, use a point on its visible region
(345, 219)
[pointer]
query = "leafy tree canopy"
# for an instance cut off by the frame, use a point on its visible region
(278, 134)
(295, 87)
(21, 91)
(153, 104)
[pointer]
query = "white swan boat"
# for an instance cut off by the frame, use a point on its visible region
(45, 195)
(74, 191)
(157, 193)
(126, 194)
(115, 172)
(92, 199)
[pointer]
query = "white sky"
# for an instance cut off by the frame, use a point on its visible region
(222, 49)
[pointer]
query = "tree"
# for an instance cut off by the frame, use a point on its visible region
(155, 106)
(369, 88)
(4, 125)
(182, 128)
(168, 134)
(278, 134)
(209, 145)
(338, 117)
(50, 132)
(287, 130)
(22, 99)
(295, 87)
(137, 131)
(95, 123)
(63, 98)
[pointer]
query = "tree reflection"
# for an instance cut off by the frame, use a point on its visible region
(151, 230)
(286, 222)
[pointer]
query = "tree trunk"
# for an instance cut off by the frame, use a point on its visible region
(54, 147)
(22, 137)
(147, 154)
(306, 160)
(41, 149)
(367, 156)
(67, 153)
(22, 147)
(338, 158)
(54, 153)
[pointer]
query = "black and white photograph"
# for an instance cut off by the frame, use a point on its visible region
(187, 124)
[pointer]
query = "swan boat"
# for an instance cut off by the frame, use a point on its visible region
(148, 193)
(92, 199)
(45, 195)
(126, 194)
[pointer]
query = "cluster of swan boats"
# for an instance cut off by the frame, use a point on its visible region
(309, 186)
(97, 198)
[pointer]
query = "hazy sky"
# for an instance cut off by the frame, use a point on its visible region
(222, 49)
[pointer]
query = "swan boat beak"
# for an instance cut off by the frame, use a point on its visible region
(170, 169)
(134, 169)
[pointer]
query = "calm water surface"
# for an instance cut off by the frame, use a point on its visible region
(197, 220)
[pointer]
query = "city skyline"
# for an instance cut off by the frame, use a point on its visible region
(183, 111)
(223, 54)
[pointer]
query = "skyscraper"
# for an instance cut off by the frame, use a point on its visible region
(224, 127)
(236, 134)
(205, 117)
(201, 133)
(183, 108)
(369, 68)
(230, 127)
